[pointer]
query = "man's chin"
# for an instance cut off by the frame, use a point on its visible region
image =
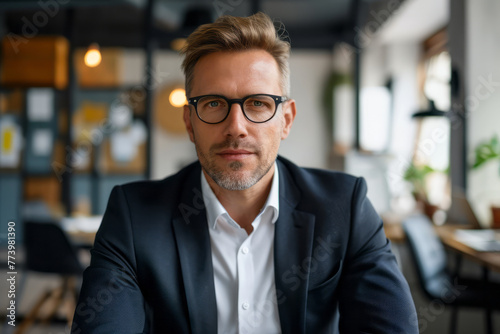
(231, 182)
(236, 173)
(236, 166)
(231, 179)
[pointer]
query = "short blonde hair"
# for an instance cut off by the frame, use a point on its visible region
(230, 33)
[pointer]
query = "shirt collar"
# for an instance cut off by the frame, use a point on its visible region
(215, 209)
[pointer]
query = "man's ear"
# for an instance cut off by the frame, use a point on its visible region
(289, 112)
(187, 121)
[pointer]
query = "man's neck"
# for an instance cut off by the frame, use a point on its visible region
(244, 205)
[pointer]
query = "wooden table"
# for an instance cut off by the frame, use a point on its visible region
(394, 232)
(80, 238)
(490, 260)
(81, 229)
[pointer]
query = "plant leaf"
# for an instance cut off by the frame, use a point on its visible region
(486, 151)
(495, 145)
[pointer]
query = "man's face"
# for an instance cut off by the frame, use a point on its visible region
(237, 153)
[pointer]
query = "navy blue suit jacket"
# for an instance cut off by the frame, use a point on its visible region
(151, 268)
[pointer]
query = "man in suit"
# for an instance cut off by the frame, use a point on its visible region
(242, 241)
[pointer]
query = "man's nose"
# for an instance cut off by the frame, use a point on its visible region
(236, 122)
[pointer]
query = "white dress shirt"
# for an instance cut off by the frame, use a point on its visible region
(244, 266)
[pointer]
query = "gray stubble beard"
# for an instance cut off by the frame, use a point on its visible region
(228, 181)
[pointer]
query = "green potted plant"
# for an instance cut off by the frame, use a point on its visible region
(483, 153)
(416, 175)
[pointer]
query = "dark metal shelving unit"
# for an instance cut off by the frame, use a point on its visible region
(67, 98)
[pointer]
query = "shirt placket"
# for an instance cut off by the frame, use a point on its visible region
(245, 285)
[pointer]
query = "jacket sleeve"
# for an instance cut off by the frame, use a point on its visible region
(374, 295)
(111, 300)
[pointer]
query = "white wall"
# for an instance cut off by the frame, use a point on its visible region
(483, 100)
(380, 61)
(398, 61)
(307, 143)
(403, 59)
(374, 71)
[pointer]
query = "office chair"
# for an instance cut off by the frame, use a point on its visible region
(438, 283)
(48, 250)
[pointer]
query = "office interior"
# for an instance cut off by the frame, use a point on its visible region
(404, 93)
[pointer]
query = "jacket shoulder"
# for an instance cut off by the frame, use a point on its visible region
(162, 192)
(321, 183)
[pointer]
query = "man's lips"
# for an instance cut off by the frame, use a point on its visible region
(234, 154)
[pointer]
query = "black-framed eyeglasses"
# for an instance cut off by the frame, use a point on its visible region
(257, 108)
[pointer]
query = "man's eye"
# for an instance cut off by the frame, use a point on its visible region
(213, 104)
(257, 103)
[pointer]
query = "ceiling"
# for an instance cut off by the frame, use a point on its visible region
(313, 24)
(416, 21)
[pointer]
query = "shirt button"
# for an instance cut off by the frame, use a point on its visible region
(245, 306)
(245, 250)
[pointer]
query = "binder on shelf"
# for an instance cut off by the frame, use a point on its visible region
(43, 61)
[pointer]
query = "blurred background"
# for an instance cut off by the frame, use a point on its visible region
(405, 93)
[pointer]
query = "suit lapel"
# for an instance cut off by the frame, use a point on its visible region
(294, 233)
(193, 244)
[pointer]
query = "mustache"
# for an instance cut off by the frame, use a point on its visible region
(231, 143)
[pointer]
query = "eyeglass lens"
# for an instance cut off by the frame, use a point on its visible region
(259, 108)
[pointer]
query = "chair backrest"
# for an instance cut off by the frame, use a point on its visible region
(49, 250)
(428, 253)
